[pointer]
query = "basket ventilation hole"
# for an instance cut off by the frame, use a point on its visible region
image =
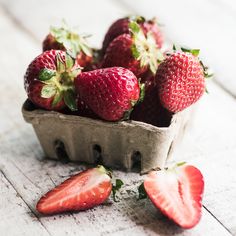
(97, 154)
(61, 151)
(136, 161)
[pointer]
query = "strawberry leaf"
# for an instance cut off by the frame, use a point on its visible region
(48, 91)
(194, 52)
(69, 61)
(61, 67)
(135, 51)
(46, 74)
(70, 100)
(116, 187)
(142, 192)
(144, 48)
(127, 114)
(134, 27)
(142, 92)
(138, 19)
(71, 40)
(181, 163)
(84, 47)
(57, 98)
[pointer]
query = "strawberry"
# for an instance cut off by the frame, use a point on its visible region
(177, 193)
(66, 39)
(110, 93)
(85, 190)
(49, 80)
(150, 109)
(134, 51)
(121, 26)
(180, 80)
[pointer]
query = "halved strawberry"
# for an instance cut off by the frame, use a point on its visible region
(177, 193)
(80, 192)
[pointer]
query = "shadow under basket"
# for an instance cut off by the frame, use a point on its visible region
(120, 145)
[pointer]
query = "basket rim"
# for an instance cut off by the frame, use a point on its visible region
(30, 115)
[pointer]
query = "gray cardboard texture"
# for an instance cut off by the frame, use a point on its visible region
(115, 144)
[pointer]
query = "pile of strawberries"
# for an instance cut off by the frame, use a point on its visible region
(129, 78)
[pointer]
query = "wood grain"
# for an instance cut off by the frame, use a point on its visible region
(12, 205)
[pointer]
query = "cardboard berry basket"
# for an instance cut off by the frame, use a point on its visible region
(122, 144)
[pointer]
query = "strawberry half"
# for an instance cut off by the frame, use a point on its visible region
(80, 192)
(121, 26)
(49, 80)
(65, 39)
(180, 79)
(110, 93)
(133, 51)
(177, 193)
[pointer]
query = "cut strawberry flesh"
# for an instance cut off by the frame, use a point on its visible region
(177, 193)
(81, 192)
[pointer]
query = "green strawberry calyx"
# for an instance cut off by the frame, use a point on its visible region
(71, 40)
(116, 187)
(144, 48)
(208, 73)
(59, 83)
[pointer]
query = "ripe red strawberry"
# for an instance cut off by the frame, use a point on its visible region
(111, 93)
(80, 192)
(66, 39)
(134, 51)
(177, 193)
(121, 26)
(180, 80)
(150, 109)
(49, 80)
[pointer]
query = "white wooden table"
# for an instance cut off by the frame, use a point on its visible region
(210, 144)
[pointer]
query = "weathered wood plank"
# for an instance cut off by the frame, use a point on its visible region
(140, 216)
(15, 216)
